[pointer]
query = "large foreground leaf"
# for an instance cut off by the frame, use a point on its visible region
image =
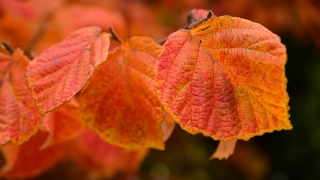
(225, 78)
(19, 116)
(57, 74)
(119, 102)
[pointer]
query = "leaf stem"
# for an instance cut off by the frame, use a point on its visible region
(7, 47)
(35, 38)
(190, 26)
(196, 23)
(162, 41)
(114, 35)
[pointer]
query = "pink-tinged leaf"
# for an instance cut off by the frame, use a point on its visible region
(58, 73)
(63, 124)
(119, 103)
(104, 159)
(27, 159)
(19, 116)
(224, 149)
(225, 78)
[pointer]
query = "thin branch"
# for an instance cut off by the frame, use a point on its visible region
(114, 35)
(35, 38)
(7, 47)
(162, 41)
(196, 23)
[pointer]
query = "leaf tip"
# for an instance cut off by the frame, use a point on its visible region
(224, 150)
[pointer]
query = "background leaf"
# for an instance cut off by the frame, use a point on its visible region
(27, 159)
(63, 124)
(62, 70)
(104, 159)
(87, 16)
(19, 116)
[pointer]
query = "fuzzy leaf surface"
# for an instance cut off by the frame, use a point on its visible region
(119, 102)
(225, 78)
(62, 70)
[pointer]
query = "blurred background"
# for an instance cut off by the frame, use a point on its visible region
(283, 155)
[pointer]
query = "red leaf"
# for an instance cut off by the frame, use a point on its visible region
(225, 78)
(63, 124)
(27, 159)
(104, 159)
(19, 116)
(57, 74)
(119, 102)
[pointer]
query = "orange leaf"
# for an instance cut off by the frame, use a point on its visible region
(225, 149)
(120, 103)
(87, 16)
(32, 8)
(225, 78)
(57, 74)
(19, 116)
(63, 124)
(104, 159)
(28, 159)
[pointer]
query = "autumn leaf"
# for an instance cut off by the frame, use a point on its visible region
(102, 158)
(87, 16)
(27, 159)
(62, 70)
(119, 102)
(31, 9)
(63, 124)
(19, 116)
(137, 21)
(225, 78)
(11, 31)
